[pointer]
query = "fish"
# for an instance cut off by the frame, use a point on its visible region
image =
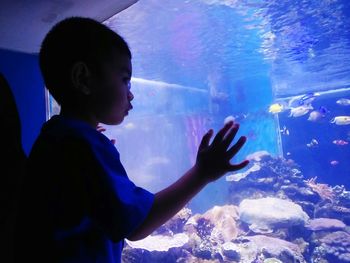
(284, 130)
(303, 99)
(276, 108)
(340, 142)
(318, 114)
(343, 102)
(300, 111)
(341, 120)
(294, 102)
(334, 162)
(308, 98)
(251, 135)
(313, 143)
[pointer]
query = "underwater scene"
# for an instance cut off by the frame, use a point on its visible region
(281, 69)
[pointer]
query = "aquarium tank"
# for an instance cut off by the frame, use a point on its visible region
(279, 68)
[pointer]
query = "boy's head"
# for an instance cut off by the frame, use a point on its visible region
(87, 67)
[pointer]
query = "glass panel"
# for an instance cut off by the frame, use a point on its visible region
(279, 68)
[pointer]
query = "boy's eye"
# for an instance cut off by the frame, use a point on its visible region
(127, 82)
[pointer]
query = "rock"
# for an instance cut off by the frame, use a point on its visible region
(272, 260)
(334, 211)
(278, 248)
(319, 224)
(257, 156)
(265, 214)
(235, 177)
(205, 250)
(307, 207)
(251, 246)
(159, 242)
(230, 251)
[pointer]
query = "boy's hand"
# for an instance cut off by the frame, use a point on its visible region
(213, 160)
(101, 129)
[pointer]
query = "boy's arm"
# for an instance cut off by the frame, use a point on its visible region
(213, 161)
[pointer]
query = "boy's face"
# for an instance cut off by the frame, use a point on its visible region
(112, 96)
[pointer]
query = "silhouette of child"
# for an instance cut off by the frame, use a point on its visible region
(77, 202)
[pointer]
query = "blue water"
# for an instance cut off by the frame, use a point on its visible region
(317, 160)
(230, 58)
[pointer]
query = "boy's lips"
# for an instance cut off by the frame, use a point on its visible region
(127, 111)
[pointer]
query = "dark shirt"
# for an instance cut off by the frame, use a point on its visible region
(77, 203)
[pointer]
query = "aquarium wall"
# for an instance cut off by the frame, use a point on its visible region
(279, 68)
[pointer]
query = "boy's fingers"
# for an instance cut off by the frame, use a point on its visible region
(235, 148)
(220, 135)
(230, 135)
(236, 167)
(206, 139)
(100, 129)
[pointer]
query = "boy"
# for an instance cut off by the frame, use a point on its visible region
(77, 203)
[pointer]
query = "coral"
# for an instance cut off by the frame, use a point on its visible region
(175, 225)
(204, 227)
(267, 234)
(336, 246)
(342, 194)
(323, 190)
(218, 224)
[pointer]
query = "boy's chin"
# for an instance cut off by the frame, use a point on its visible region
(114, 121)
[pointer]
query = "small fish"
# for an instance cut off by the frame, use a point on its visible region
(318, 114)
(308, 98)
(340, 142)
(251, 135)
(294, 102)
(343, 102)
(323, 110)
(284, 130)
(315, 116)
(276, 108)
(288, 153)
(341, 120)
(300, 111)
(334, 162)
(313, 143)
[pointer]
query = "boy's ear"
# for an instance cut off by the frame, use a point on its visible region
(80, 75)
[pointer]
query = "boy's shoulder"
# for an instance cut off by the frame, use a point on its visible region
(62, 135)
(61, 129)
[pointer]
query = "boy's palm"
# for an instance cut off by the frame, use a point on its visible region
(213, 160)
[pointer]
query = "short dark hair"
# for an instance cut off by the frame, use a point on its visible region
(72, 40)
